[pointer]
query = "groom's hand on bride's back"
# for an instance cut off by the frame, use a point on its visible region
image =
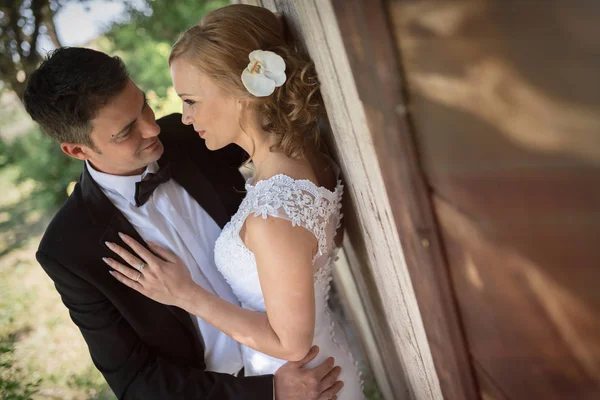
(293, 381)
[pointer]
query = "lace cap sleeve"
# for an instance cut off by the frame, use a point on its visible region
(299, 201)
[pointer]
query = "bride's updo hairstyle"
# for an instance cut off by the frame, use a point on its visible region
(219, 46)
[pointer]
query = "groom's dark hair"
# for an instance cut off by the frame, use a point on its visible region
(68, 89)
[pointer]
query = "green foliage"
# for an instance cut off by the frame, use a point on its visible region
(371, 391)
(13, 382)
(145, 38)
(4, 157)
(166, 20)
(40, 159)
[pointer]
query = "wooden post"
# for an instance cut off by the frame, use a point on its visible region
(390, 226)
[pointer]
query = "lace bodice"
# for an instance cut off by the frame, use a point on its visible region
(299, 201)
(318, 210)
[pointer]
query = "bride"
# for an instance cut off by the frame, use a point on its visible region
(242, 84)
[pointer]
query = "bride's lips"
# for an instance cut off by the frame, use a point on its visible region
(200, 132)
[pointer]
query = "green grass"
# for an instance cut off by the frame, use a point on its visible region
(42, 353)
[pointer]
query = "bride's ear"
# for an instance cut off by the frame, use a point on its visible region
(243, 107)
(242, 104)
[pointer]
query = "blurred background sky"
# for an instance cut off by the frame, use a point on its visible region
(79, 23)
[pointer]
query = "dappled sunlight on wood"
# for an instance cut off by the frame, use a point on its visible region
(576, 322)
(484, 73)
(443, 19)
(472, 273)
(573, 319)
(496, 93)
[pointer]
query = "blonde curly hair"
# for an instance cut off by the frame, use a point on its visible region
(219, 47)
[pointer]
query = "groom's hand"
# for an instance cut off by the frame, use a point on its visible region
(294, 382)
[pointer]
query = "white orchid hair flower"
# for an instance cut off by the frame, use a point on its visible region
(264, 73)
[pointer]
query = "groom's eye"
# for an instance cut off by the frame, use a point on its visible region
(124, 136)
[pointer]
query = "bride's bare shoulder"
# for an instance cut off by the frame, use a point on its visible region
(265, 233)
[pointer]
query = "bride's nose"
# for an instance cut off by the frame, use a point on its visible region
(186, 118)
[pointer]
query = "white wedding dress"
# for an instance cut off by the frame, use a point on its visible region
(318, 210)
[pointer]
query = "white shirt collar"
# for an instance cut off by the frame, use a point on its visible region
(122, 185)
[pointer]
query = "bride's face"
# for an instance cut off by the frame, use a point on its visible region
(213, 113)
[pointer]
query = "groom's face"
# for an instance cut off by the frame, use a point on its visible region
(125, 134)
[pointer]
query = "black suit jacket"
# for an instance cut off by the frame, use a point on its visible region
(144, 349)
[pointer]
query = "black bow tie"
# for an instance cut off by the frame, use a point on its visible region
(144, 189)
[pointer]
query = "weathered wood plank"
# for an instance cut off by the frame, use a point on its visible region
(505, 100)
(384, 281)
(374, 237)
(489, 389)
(373, 59)
(360, 313)
(534, 336)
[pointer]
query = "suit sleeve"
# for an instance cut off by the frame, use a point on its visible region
(128, 365)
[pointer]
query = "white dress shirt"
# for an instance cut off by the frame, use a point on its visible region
(172, 219)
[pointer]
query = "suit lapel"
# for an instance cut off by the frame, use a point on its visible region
(103, 212)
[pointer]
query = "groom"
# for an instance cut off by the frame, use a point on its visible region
(153, 180)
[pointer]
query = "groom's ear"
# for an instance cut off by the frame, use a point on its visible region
(77, 151)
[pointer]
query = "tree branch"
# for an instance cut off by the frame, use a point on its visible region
(36, 8)
(13, 20)
(49, 22)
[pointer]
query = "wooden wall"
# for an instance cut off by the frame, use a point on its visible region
(469, 136)
(373, 59)
(402, 364)
(504, 102)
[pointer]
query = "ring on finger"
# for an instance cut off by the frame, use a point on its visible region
(141, 266)
(138, 277)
